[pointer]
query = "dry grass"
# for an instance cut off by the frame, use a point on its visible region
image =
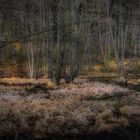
(26, 81)
(71, 110)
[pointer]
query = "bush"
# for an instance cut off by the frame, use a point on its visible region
(133, 67)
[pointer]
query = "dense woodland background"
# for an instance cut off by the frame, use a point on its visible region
(61, 38)
(69, 69)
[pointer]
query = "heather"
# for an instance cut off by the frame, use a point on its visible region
(70, 110)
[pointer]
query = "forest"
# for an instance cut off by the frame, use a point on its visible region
(69, 70)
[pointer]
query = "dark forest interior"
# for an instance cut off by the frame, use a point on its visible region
(69, 69)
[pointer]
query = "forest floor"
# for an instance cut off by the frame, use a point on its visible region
(85, 109)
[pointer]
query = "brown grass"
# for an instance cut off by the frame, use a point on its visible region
(26, 81)
(71, 110)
